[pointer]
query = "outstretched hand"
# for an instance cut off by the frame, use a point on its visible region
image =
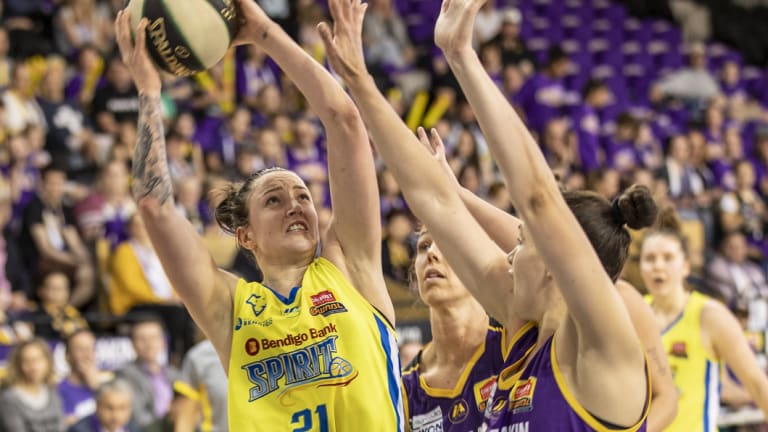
(454, 26)
(134, 54)
(344, 43)
(436, 148)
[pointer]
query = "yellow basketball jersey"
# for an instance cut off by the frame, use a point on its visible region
(696, 373)
(321, 360)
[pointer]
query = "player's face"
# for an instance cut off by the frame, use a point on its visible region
(437, 281)
(663, 265)
(283, 219)
(528, 275)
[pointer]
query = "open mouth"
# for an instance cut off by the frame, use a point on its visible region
(298, 227)
(433, 274)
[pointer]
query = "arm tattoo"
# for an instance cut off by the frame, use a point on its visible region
(150, 167)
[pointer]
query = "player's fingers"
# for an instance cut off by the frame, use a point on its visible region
(141, 37)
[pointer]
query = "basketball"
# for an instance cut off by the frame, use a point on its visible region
(340, 367)
(186, 36)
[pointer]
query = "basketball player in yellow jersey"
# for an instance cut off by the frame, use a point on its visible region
(699, 333)
(313, 347)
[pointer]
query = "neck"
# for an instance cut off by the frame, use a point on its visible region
(283, 277)
(550, 321)
(457, 330)
(152, 366)
(31, 387)
(672, 303)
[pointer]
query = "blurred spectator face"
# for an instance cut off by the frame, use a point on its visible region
(609, 185)
(54, 290)
(81, 350)
(731, 72)
(269, 100)
(643, 177)
(679, 149)
(174, 148)
(6, 203)
(148, 341)
(89, 58)
(118, 75)
(240, 122)
(714, 117)
(54, 185)
(745, 175)
(185, 125)
(466, 114)
(306, 132)
(465, 148)
(36, 138)
(22, 82)
(602, 96)
(115, 179)
(663, 265)
(189, 190)
(469, 177)
(761, 147)
(513, 79)
(491, 57)
(269, 144)
(113, 409)
(247, 162)
(35, 364)
(735, 248)
(733, 146)
(510, 23)
(18, 147)
(399, 227)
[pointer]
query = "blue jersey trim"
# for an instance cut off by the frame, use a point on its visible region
(675, 321)
(707, 395)
(392, 380)
(291, 297)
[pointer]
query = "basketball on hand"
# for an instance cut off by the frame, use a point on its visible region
(186, 36)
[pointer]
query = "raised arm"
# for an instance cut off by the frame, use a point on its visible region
(730, 345)
(206, 291)
(501, 226)
(354, 239)
(430, 194)
(593, 303)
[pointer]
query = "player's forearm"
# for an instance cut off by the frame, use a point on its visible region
(151, 179)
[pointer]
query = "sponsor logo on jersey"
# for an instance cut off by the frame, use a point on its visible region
(459, 411)
(679, 349)
(252, 346)
(249, 322)
(521, 397)
(429, 422)
(290, 311)
(483, 391)
(258, 303)
(324, 303)
(309, 367)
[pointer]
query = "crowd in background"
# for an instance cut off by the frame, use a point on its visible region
(74, 254)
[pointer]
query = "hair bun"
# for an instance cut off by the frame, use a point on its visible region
(635, 207)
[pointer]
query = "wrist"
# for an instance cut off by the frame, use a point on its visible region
(458, 54)
(150, 93)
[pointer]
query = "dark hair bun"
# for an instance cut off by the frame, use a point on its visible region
(636, 207)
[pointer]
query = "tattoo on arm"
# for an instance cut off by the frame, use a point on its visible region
(150, 167)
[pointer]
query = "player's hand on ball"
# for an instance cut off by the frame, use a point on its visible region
(134, 54)
(344, 43)
(254, 23)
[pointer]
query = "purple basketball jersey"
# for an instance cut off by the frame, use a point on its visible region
(538, 400)
(462, 408)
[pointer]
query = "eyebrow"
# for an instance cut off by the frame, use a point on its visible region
(277, 188)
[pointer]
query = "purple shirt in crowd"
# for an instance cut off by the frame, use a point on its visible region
(586, 123)
(78, 400)
(541, 98)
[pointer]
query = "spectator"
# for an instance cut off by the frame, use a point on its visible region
(29, 402)
(83, 22)
(513, 48)
(50, 241)
(15, 286)
(117, 101)
(694, 84)
(202, 390)
(683, 181)
(487, 24)
(113, 410)
(137, 277)
(54, 317)
(409, 350)
(620, 150)
(150, 380)
(254, 73)
(77, 389)
(398, 246)
(733, 277)
(390, 197)
(543, 96)
(189, 193)
(86, 78)
(6, 64)
(270, 150)
(586, 124)
(21, 108)
(744, 210)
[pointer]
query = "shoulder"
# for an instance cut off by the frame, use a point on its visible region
(83, 425)
(714, 314)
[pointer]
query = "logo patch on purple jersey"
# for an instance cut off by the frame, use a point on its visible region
(521, 398)
(459, 411)
(483, 391)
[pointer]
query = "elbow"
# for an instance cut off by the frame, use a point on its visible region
(345, 112)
